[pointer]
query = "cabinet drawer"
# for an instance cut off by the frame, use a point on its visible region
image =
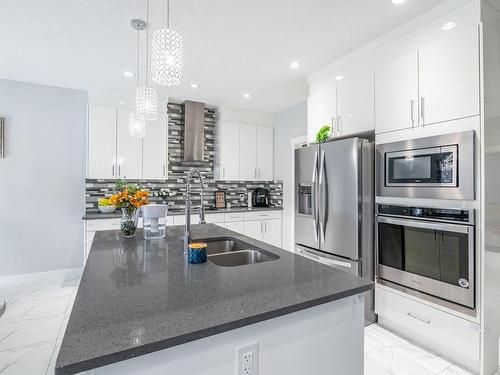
(214, 218)
(100, 224)
(232, 217)
(262, 215)
(445, 333)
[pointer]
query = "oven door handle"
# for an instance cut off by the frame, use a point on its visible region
(457, 228)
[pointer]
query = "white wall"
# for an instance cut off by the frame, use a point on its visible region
(42, 178)
(288, 124)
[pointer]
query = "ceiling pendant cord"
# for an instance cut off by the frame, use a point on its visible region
(147, 42)
(137, 70)
(137, 127)
(146, 96)
(168, 14)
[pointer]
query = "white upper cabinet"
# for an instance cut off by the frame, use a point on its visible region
(449, 70)
(229, 142)
(113, 153)
(321, 108)
(102, 142)
(265, 157)
(431, 75)
(248, 152)
(128, 148)
(245, 151)
(355, 90)
(154, 150)
(396, 88)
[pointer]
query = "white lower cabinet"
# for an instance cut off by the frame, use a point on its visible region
(181, 219)
(447, 334)
(264, 226)
(236, 226)
(253, 229)
(272, 232)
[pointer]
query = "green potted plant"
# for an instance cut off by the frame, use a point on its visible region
(323, 134)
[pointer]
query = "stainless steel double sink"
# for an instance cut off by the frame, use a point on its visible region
(230, 252)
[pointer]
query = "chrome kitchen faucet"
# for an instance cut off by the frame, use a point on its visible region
(192, 175)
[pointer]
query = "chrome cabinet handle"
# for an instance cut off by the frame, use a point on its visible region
(412, 114)
(339, 125)
(223, 172)
(113, 170)
(418, 318)
(422, 109)
(119, 170)
(164, 170)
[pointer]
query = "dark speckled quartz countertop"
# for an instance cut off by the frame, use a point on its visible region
(136, 297)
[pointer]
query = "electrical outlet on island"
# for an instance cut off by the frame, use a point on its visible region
(247, 359)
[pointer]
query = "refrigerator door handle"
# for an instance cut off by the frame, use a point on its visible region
(313, 196)
(322, 196)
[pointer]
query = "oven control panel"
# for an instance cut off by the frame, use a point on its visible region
(429, 213)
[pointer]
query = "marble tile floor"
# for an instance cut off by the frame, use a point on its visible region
(36, 315)
(389, 354)
(38, 309)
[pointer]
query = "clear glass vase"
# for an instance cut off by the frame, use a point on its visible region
(128, 223)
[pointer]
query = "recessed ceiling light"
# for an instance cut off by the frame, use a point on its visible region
(448, 26)
(122, 103)
(246, 95)
(294, 65)
(339, 78)
(194, 85)
(398, 2)
(128, 74)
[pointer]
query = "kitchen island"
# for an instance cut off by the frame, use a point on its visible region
(142, 309)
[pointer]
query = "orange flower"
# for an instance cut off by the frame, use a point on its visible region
(125, 199)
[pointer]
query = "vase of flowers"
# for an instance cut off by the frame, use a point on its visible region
(163, 194)
(130, 199)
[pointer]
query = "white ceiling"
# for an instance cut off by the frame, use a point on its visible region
(231, 46)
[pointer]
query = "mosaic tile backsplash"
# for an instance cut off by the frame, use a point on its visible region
(236, 191)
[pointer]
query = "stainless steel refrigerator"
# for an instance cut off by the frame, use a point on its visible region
(334, 207)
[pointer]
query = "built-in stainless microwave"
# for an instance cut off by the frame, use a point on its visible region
(432, 167)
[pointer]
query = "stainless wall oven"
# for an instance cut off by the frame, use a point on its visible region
(429, 250)
(432, 167)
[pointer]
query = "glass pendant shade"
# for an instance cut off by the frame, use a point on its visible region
(167, 57)
(137, 127)
(146, 103)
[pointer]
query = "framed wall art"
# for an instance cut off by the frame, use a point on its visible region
(220, 199)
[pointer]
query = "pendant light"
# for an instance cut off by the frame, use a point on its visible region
(137, 127)
(167, 55)
(146, 98)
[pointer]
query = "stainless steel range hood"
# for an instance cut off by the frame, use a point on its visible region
(194, 133)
